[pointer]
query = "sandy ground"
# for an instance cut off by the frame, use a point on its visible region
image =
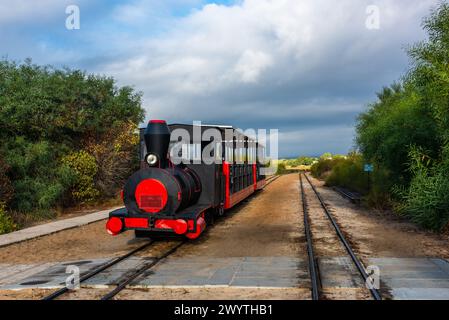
(217, 294)
(27, 294)
(170, 294)
(375, 234)
(268, 224)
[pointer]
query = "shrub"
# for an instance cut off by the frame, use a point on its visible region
(6, 188)
(35, 177)
(85, 168)
(426, 201)
(116, 155)
(322, 167)
(281, 168)
(348, 173)
(6, 222)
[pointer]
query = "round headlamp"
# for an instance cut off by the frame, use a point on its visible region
(151, 159)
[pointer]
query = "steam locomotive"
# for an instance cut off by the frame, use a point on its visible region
(167, 197)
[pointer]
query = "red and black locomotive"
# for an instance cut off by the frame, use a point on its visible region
(164, 198)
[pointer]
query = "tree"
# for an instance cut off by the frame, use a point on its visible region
(406, 131)
(48, 115)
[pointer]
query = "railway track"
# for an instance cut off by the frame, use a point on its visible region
(271, 179)
(132, 276)
(128, 279)
(312, 262)
(123, 284)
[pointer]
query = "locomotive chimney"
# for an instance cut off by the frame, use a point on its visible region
(157, 140)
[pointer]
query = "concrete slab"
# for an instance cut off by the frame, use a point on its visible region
(7, 271)
(52, 227)
(52, 276)
(420, 294)
(339, 272)
(272, 272)
(414, 278)
(116, 273)
(15, 274)
(403, 278)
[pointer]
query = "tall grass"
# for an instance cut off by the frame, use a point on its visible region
(426, 201)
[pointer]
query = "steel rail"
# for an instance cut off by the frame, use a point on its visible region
(270, 180)
(374, 292)
(122, 285)
(313, 272)
(101, 268)
(347, 195)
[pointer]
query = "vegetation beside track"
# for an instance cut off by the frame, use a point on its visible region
(405, 135)
(301, 163)
(67, 138)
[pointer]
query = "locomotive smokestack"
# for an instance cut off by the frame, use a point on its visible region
(157, 140)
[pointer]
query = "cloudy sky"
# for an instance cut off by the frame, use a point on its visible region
(305, 67)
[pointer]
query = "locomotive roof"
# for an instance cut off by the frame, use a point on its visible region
(222, 128)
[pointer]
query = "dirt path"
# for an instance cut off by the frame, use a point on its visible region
(373, 234)
(267, 224)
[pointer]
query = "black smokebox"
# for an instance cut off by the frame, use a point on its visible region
(157, 140)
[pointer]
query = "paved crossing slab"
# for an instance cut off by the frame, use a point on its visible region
(402, 278)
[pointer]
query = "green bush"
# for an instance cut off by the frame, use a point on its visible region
(6, 188)
(6, 222)
(300, 161)
(37, 181)
(281, 169)
(349, 173)
(323, 167)
(426, 201)
(85, 168)
(47, 114)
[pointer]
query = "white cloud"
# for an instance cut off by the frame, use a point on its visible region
(270, 63)
(251, 64)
